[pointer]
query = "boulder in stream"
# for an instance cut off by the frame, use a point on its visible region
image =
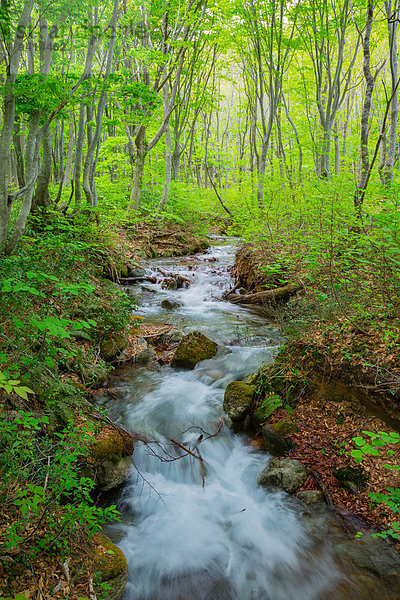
(192, 349)
(374, 554)
(137, 272)
(173, 336)
(170, 304)
(145, 357)
(311, 497)
(238, 399)
(109, 564)
(286, 474)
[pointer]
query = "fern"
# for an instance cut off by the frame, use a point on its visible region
(267, 407)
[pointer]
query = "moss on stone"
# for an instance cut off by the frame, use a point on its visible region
(108, 560)
(285, 428)
(192, 349)
(238, 399)
(111, 347)
(111, 445)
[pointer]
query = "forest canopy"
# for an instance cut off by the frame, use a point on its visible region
(118, 105)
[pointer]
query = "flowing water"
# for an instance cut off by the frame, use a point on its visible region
(230, 540)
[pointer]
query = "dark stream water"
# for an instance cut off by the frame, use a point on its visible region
(231, 540)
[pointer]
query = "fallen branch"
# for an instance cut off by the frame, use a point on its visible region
(182, 447)
(133, 280)
(231, 291)
(275, 296)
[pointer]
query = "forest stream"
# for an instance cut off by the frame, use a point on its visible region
(230, 540)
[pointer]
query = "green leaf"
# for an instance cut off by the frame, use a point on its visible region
(357, 455)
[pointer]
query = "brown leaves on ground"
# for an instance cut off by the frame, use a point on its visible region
(50, 577)
(323, 441)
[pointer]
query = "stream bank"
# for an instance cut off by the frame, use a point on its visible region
(231, 539)
(65, 326)
(329, 383)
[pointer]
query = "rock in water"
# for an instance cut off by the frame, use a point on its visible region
(192, 349)
(373, 554)
(171, 304)
(285, 474)
(174, 336)
(145, 357)
(311, 497)
(238, 399)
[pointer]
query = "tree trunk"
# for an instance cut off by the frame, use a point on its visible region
(392, 16)
(168, 152)
(325, 157)
(41, 197)
(78, 157)
(19, 152)
(370, 83)
(140, 158)
(70, 152)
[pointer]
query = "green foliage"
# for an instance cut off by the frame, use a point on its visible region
(53, 302)
(391, 498)
(42, 488)
(13, 385)
(377, 440)
(267, 407)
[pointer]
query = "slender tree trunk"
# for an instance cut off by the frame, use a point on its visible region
(14, 50)
(41, 197)
(370, 83)
(337, 149)
(70, 152)
(19, 152)
(78, 156)
(392, 16)
(140, 158)
(168, 151)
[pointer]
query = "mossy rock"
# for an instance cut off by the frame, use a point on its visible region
(109, 460)
(194, 348)
(238, 399)
(113, 346)
(285, 428)
(123, 271)
(355, 475)
(109, 566)
(286, 474)
(112, 444)
(275, 439)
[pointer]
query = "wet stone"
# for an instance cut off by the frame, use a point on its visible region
(373, 554)
(311, 497)
(171, 304)
(286, 474)
(238, 399)
(145, 357)
(194, 348)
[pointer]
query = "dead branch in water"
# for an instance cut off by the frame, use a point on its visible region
(275, 296)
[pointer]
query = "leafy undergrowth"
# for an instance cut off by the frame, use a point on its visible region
(342, 353)
(58, 313)
(345, 322)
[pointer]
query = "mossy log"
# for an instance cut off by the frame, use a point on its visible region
(276, 296)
